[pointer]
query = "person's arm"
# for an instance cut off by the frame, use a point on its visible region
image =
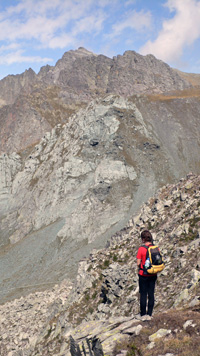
(139, 262)
(139, 258)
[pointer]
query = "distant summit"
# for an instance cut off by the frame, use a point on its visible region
(84, 51)
(29, 101)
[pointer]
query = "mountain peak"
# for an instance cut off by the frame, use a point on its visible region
(80, 52)
(84, 51)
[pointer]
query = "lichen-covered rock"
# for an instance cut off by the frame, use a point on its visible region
(159, 334)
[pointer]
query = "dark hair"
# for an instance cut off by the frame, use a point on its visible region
(146, 236)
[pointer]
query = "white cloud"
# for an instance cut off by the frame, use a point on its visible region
(130, 2)
(92, 23)
(182, 30)
(103, 3)
(52, 24)
(18, 57)
(60, 41)
(12, 46)
(36, 20)
(47, 21)
(133, 20)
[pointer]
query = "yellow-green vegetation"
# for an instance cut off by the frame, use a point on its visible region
(178, 94)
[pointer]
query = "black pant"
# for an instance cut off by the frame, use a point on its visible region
(147, 287)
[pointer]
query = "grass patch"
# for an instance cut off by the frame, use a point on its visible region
(105, 264)
(94, 295)
(89, 268)
(132, 349)
(115, 258)
(177, 94)
(87, 297)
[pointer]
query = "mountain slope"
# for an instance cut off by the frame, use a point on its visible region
(83, 181)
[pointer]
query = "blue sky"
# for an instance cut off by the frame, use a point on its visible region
(34, 33)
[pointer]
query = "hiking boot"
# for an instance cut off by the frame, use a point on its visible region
(148, 317)
(142, 318)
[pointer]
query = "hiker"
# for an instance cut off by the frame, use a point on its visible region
(146, 281)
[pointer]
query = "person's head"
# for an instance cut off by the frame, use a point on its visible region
(146, 236)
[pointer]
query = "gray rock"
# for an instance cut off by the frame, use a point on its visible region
(188, 323)
(183, 196)
(135, 330)
(195, 302)
(159, 334)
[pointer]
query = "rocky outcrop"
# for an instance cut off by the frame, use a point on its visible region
(79, 158)
(9, 166)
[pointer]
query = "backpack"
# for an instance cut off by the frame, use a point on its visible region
(155, 261)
